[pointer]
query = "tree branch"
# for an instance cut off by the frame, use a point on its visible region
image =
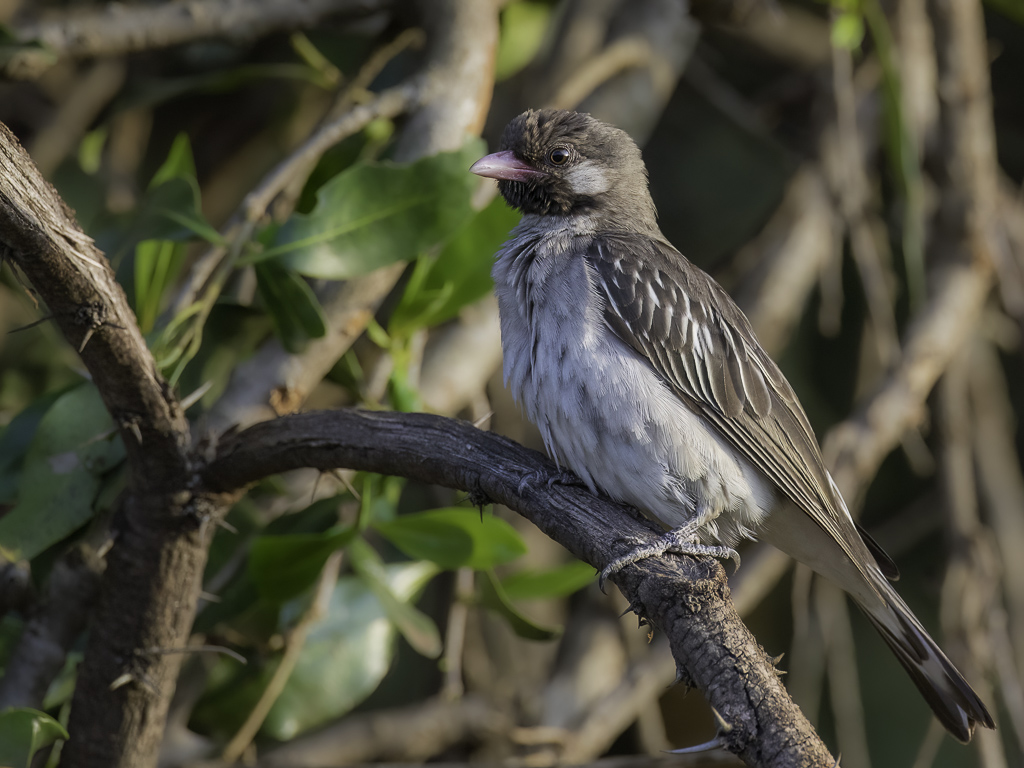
(159, 554)
(116, 28)
(687, 599)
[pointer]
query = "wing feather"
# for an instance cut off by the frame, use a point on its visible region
(702, 345)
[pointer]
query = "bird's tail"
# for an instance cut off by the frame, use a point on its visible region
(951, 698)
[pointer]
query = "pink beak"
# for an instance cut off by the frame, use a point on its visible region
(504, 165)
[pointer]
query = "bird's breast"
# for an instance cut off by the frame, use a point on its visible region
(600, 407)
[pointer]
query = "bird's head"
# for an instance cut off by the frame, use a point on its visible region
(558, 163)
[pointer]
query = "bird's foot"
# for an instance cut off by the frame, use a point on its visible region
(680, 541)
(560, 477)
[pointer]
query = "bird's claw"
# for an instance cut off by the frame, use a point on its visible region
(680, 541)
(560, 477)
(567, 478)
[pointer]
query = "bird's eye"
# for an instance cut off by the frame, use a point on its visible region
(558, 156)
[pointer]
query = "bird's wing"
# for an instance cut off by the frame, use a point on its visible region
(702, 345)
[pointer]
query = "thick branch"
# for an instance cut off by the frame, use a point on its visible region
(688, 600)
(152, 578)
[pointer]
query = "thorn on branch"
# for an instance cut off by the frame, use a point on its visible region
(136, 675)
(197, 649)
(85, 340)
(723, 726)
(93, 315)
(121, 681)
(222, 523)
(130, 422)
(682, 678)
(632, 608)
(342, 478)
(40, 321)
(707, 746)
(479, 498)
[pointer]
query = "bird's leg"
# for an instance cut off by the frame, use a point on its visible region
(681, 541)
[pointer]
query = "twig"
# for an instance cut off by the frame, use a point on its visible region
(850, 183)
(413, 734)
(628, 53)
(461, 358)
(116, 29)
(606, 721)
(855, 448)
(389, 103)
(783, 263)
(844, 685)
(294, 644)
(455, 635)
(355, 91)
(91, 92)
(1002, 488)
(970, 589)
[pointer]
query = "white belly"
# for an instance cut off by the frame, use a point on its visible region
(605, 414)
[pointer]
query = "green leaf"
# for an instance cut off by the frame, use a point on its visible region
(76, 443)
(179, 163)
(848, 31)
(285, 566)
(454, 537)
(157, 263)
(180, 167)
(293, 307)
(230, 335)
(23, 732)
(557, 582)
(1011, 9)
(493, 596)
(15, 440)
(90, 149)
(461, 274)
(197, 225)
(170, 209)
(347, 654)
(374, 214)
(416, 627)
(523, 25)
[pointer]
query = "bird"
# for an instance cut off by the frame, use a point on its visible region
(646, 380)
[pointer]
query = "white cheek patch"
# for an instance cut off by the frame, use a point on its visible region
(589, 179)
